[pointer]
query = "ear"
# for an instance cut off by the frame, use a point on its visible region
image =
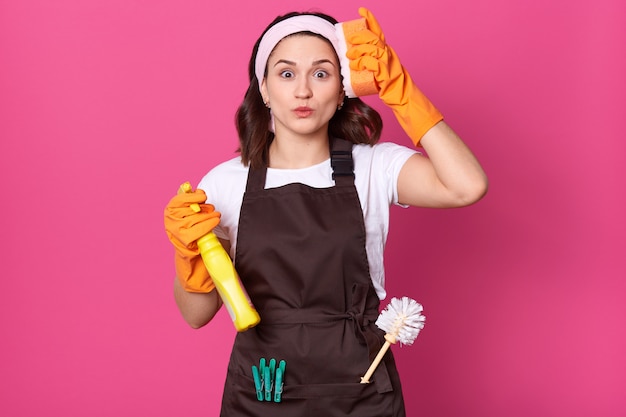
(264, 94)
(342, 96)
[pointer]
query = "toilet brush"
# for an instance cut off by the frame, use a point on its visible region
(401, 321)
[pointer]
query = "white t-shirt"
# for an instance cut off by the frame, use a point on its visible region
(376, 170)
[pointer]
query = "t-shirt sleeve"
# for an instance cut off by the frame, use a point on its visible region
(391, 157)
(224, 186)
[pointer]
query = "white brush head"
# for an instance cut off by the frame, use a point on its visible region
(402, 319)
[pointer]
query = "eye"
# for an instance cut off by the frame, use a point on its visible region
(286, 74)
(320, 74)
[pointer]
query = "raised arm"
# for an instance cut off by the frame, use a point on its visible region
(449, 177)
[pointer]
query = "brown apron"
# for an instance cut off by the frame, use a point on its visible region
(301, 256)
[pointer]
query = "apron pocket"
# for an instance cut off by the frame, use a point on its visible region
(315, 400)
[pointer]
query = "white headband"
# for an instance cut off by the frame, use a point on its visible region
(301, 23)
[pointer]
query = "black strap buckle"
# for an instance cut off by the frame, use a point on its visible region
(341, 159)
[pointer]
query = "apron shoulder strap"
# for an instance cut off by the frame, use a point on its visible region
(256, 179)
(341, 161)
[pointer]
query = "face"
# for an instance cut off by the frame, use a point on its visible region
(303, 85)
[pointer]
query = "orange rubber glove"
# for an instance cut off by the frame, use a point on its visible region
(184, 226)
(411, 107)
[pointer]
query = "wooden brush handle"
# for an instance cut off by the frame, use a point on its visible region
(366, 378)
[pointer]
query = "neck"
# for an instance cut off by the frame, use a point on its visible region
(298, 152)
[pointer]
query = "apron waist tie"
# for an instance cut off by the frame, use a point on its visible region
(303, 316)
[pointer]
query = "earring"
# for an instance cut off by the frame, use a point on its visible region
(267, 103)
(340, 106)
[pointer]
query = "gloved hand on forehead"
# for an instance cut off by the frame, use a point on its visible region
(184, 226)
(370, 51)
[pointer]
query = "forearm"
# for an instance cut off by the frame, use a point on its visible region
(196, 308)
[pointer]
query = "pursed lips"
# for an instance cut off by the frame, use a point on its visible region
(303, 111)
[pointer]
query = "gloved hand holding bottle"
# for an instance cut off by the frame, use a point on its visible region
(369, 51)
(184, 226)
(202, 264)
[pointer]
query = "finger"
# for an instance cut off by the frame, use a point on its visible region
(372, 23)
(365, 50)
(204, 222)
(364, 37)
(190, 229)
(190, 235)
(377, 67)
(365, 63)
(189, 215)
(186, 199)
(207, 208)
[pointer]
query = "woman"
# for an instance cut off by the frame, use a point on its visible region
(304, 214)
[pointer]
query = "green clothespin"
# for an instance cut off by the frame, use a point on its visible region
(278, 387)
(262, 367)
(272, 373)
(272, 367)
(258, 383)
(267, 380)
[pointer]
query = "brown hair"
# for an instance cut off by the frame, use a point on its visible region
(356, 122)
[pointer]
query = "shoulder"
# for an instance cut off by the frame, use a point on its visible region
(381, 155)
(224, 186)
(231, 170)
(377, 169)
(224, 180)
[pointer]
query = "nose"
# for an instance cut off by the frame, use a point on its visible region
(303, 88)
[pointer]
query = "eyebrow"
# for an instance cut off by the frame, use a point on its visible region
(318, 62)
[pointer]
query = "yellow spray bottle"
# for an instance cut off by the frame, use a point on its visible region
(225, 278)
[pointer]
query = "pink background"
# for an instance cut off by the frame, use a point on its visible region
(107, 106)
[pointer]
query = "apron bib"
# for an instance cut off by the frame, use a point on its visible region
(302, 259)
